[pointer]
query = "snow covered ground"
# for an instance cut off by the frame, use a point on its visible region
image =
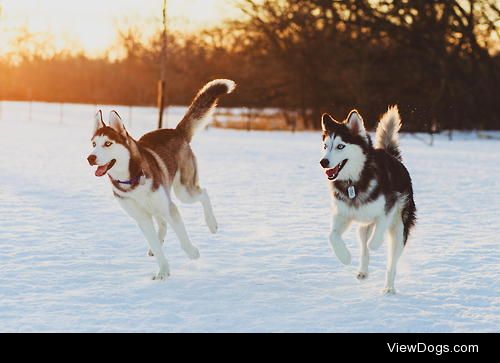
(71, 260)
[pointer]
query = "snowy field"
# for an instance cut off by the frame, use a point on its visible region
(71, 260)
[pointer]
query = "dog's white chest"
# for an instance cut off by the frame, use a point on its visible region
(142, 195)
(362, 213)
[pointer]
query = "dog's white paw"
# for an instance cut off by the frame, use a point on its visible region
(161, 275)
(191, 251)
(212, 224)
(150, 253)
(341, 251)
(389, 291)
(362, 275)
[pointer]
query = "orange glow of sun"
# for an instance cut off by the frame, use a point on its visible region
(91, 25)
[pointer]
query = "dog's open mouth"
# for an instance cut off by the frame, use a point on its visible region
(333, 173)
(103, 169)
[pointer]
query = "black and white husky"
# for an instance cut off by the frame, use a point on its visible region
(370, 185)
(143, 172)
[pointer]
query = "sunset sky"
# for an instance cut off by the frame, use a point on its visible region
(91, 24)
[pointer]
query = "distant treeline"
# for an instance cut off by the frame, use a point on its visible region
(435, 59)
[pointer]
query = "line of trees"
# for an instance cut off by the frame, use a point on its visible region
(435, 59)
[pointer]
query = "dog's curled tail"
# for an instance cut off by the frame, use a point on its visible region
(198, 114)
(386, 136)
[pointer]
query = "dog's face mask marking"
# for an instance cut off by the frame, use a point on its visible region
(109, 145)
(343, 154)
(335, 156)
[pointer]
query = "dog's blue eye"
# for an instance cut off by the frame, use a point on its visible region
(340, 146)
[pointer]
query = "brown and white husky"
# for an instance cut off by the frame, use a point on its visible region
(143, 172)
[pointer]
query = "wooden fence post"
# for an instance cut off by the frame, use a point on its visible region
(162, 81)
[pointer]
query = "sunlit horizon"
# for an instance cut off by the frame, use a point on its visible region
(92, 26)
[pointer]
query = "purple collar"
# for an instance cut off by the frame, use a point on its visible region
(132, 181)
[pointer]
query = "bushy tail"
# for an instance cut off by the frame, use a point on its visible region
(202, 106)
(387, 132)
(409, 216)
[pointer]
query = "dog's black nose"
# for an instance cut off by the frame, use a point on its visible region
(324, 163)
(91, 159)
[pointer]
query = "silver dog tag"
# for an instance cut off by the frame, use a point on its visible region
(351, 191)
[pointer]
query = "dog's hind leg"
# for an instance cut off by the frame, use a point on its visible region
(208, 211)
(364, 234)
(394, 251)
(162, 231)
(195, 194)
(339, 225)
(382, 224)
(174, 219)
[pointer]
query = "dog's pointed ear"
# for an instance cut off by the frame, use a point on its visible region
(116, 123)
(355, 123)
(98, 122)
(328, 123)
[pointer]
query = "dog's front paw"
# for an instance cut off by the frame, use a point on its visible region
(161, 275)
(191, 251)
(341, 251)
(150, 253)
(362, 275)
(389, 291)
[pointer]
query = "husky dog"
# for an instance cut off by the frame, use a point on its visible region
(142, 173)
(370, 185)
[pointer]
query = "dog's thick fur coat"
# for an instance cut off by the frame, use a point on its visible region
(143, 172)
(369, 185)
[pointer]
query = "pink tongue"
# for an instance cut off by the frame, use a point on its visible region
(101, 170)
(332, 172)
